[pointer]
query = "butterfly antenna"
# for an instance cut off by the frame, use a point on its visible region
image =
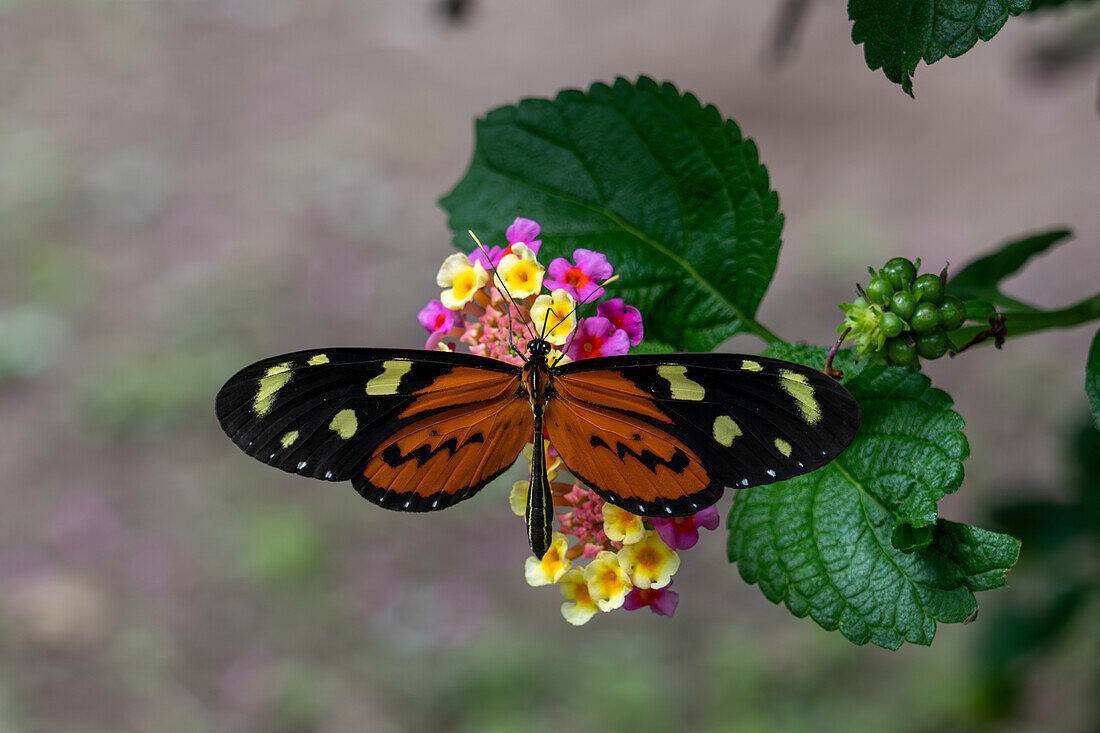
(497, 279)
(573, 335)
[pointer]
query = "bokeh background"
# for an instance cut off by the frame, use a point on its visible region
(187, 186)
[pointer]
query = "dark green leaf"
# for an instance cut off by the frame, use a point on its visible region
(668, 190)
(897, 34)
(1020, 630)
(1092, 378)
(827, 543)
(982, 277)
(1042, 524)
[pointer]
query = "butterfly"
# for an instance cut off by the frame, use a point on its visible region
(655, 434)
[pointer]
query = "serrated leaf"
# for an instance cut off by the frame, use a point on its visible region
(897, 34)
(673, 195)
(1092, 378)
(982, 277)
(826, 543)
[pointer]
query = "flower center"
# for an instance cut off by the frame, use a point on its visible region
(576, 277)
(521, 275)
(647, 558)
(465, 284)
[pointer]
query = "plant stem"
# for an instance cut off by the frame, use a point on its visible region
(1021, 323)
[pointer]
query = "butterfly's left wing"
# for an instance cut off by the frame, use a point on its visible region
(412, 430)
(663, 434)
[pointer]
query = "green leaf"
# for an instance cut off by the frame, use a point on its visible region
(857, 545)
(1092, 378)
(897, 34)
(982, 277)
(673, 195)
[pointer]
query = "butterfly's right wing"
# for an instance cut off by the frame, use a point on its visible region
(413, 430)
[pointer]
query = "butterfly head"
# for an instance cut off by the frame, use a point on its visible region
(538, 348)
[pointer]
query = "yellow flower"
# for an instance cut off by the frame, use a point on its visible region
(649, 562)
(462, 280)
(552, 565)
(607, 583)
(621, 526)
(520, 273)
(579, 606)
(553, 316)
(518, 498)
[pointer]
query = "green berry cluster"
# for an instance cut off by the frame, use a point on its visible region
(903, 316)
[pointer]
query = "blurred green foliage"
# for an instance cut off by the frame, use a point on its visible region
(1062, 569)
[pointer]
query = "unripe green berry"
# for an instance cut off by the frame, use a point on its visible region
(860, 302)
(903, 304)
(900, 272)
(926, 318)
(879, 291)
(928, 288)
(952, 313)
(931, 345)
(892, 325)
(900, 352)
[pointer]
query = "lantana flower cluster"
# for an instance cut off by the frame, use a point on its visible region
(603, 557)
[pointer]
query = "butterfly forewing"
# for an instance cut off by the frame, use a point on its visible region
(663, 434)
(417, 422)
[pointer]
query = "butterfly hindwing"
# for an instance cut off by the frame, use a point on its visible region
(383, 418)
(663, 434)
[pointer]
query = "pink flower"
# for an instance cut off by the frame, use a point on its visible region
(597, 337)
(581, 279)
(681, 533)
(626, 317)
(522, 231)
(438, 320)
(661, 601)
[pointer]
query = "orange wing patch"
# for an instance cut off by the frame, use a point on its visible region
(445, 457)
(626, 459)
(609, 389)
(463, 386)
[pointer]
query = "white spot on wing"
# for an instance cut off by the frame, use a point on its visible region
(301, 465)
(771, 473)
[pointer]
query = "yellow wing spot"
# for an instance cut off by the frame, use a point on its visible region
(344, 424)
(783, 447)
(318, 359)
(798, 387)
(274, 379)
(389, 380)
(288, 439)
(680, 387)
(751, 366)
(725, 430)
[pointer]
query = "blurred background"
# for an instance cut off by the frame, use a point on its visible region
(187, 186)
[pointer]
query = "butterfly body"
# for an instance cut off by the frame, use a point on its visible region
(658, 435)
